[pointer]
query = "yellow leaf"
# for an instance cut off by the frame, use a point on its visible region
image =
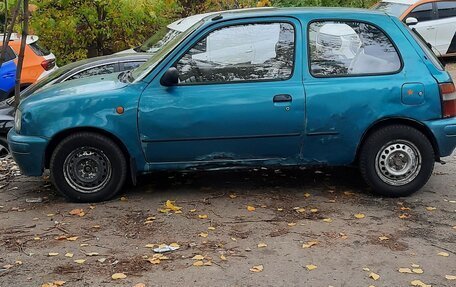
(405, 270)
(261, 245)
(192, 210)
(311, 267)
(78, 212)
(211, 228)
(366, 269)
(309, 244)
(198, 257)
(415, 265)
(417, 270)
(306, 194)
(53, 253)
(279, 209)
(382, 238)
(444, 254)
(359, 216)
(198, 263)
(117, 276)
(92, 254)
(234, 239)
(301, 210)
(208, 263)
(123, 198)
(430, 208)
(203, 234)
(164, 210)
(223, 257)
(349, 193)
(170, 205)
(314, 210)
(232, 195)
(404, 216)
(250, 208)
(419, 283)
(70, 255)
(140, 285)
(83, 244)
(202, 216)
(150, 245)
(154, 260)
(450, 277)
(80, 261)
(178, 212)
(403, 208)
(74, 238)
(50, 214)
(374, 276)
(174, 245)
(148, 221)
(36, 238)
(291, 224)
(59, 283)
(328, 220)
(257, 268)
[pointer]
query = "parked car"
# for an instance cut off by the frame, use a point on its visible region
(77, 70)
(435, 21)
(163, 36)
(38, 63)
(390, 109)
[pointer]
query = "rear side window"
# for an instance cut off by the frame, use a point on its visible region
(349, 48)
(422, 12)
(9, 55)
(251, 52)
(99, 70)
(39, 50)
(446, 9)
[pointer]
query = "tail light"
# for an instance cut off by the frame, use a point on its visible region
(48, 64)
(448, 92)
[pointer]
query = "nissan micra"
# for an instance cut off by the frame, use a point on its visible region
(274, 88)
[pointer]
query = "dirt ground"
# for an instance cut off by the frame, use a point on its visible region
(349, 235)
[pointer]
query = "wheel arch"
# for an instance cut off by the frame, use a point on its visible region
(57, 138)
(395, 121)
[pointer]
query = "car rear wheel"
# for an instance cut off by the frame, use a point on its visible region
(397, 160)
(88, 167)
(4, 150)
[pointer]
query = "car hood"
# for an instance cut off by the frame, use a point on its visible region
(96, 86)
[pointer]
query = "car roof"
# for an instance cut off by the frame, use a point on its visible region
(17, 38)
(407, 2)
(109, 59)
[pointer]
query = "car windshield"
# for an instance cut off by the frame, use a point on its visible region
(158, 40)
(157, 57)
(391, 8)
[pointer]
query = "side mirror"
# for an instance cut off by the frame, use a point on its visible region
(170, 77)
(411, 21)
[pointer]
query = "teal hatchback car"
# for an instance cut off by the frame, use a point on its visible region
(266, 87)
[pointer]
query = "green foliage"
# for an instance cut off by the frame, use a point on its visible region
(77, 29)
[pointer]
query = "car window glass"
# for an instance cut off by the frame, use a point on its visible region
(9, 55)
(422, 12)
(38, 49)
(350, 48)
(240, 53)
(99, 70)
(446, 9)
(131, 65)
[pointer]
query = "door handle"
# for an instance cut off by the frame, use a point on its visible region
(282, 98)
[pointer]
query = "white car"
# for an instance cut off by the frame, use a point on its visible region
(434, 20)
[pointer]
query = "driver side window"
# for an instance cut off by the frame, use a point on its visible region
(251, 52)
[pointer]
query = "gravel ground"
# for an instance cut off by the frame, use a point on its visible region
(349, 235)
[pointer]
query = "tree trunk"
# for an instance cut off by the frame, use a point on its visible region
(20, 61)
(7, 35)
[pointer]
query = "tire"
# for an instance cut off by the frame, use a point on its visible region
(396, 160)
(88, 167)
(4, 149)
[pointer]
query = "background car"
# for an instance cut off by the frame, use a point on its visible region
(7, 74)
(38, 62)
(85, 68)
(436, 21)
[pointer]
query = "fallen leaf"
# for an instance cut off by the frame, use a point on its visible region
(223, 257)
(175, 245)
(208, 263)
(150, 245)
(382, 238)
(140, 285)
(257, 268)
(419, 283)
(59, 282)
(415, 265)
(405, 208)
(154, 260)
(450, 277)
(374, 276)
(279, 209)
(300, 210)
(366, 269)
(328, 220)
(123, 198)
(198, 263)
(417, 270)
(202, 216)
(92, 254)
(78, 211)
(404, 216)
(444, 254)
(61, 237)
(430, 208)
(53, 253)
(314, 210)
(80, 261)
(311, 267)
(349, 193)
(309, 244)
(250, 208)
(405, 270)
(261, 245)
(70, 255)
(192, 210)
(292, 224)
(74, 238)
(211, 228)
(83, 244)
(359, 216)
(36, 238)
(198, 257)
(232, 195)
(306, 194)
(203, 234)
(117, 276)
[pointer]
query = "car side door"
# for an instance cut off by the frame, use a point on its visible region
(426, 16)
(239, 99)
(445, 25)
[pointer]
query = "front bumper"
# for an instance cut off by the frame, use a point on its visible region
(28, 152)
(444, 131)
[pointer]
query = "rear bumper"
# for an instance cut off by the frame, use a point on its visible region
(444, 131)
(28, 152)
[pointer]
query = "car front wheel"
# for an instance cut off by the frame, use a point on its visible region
(397, 160)
(88, 167)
